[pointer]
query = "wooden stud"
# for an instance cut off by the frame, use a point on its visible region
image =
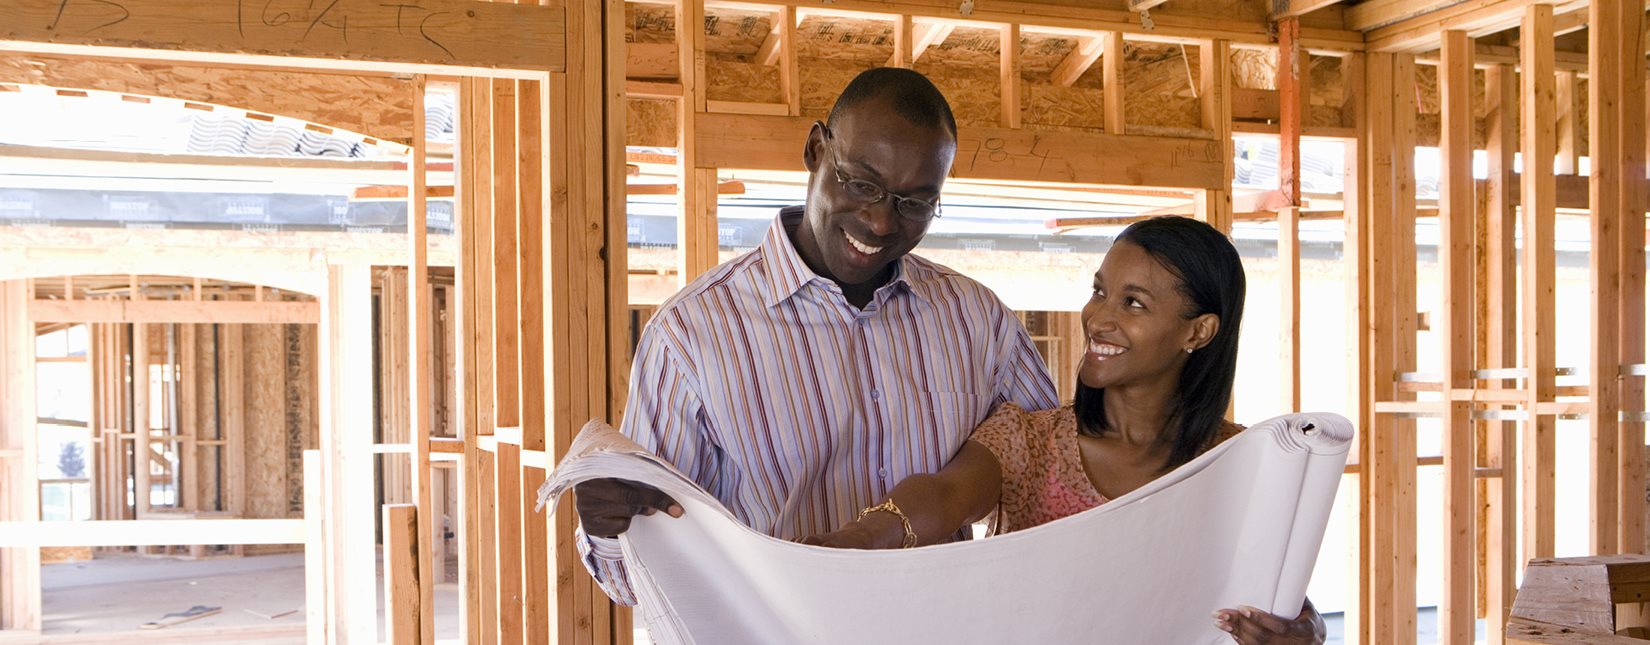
(1289, 320)
(1404, 309)
(1112, 90)
(1215, 97)
(1500, 293)
(929, 34)
(466, 347)
(902, 42)
(1537, 211)
(1604, 124)
(1630, 207)
(317, 587)
(534, 556)
(1355, 258)
(142, 429)
(507, 364)
(1570, 104)
(1008, 68)
(188, 454)
(419, 370)
(20, 596)
(346, 394)
(1457, 209)
(790, 77)
(1292, 93)
(404, 609)
(232, 411)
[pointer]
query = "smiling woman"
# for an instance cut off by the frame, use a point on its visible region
(1162, 326)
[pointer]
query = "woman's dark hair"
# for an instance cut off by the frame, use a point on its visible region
(1211, 277)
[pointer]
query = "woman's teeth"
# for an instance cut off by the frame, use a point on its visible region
(861, 246)
(1105, 349)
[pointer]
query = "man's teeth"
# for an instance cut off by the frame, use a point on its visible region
(1105, 349)
(861, 246)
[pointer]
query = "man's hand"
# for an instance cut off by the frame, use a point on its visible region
(606, 505)
(1251, 626)
(873, 532)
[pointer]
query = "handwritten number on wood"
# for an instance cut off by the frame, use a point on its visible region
(63, 7)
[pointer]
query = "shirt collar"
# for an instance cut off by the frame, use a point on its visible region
(788, 274)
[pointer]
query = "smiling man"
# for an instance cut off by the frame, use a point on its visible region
(799, 382)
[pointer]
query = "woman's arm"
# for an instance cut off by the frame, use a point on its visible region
(966, 490)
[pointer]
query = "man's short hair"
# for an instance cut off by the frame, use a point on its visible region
(912, 96)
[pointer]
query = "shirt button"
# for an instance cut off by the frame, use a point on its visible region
(876, 395)
(882, 472)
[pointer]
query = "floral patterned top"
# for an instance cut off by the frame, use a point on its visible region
(1043, 476)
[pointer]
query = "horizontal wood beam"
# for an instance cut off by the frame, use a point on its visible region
(151, 532)
(427, 37)
(374, 105)
(173, 311)
(1003, 154)
(1422, 33)
(1296, 8)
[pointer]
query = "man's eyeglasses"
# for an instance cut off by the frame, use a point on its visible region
(870, 192)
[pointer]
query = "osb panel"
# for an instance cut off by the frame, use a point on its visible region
(1583, 116)
(870, 42)
(731, 79)
(265, 419)
(649, 23)
(975, 94)
(736, 33)
(967, 47)
(1255, 69)
(301, 424)
(1041, 53)
(823, 80)
(1048, 106)
(650, 123)
(1158, 87)
(375, 106)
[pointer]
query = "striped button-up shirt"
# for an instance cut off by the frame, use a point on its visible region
(797, 409)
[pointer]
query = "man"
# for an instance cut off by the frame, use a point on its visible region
(800, 382)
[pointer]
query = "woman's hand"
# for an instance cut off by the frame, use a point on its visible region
(1252, 626)
(873, 532)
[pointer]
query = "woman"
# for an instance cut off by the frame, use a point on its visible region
(1155, 381)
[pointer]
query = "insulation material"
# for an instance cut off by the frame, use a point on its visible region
(649, 23)
(651, 123)
(731, 79)
(265, 418)
(1326, 93)
(1158, 85)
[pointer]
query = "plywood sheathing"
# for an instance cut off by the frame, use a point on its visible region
(208, 480)
(265, 419)
(650, 123)
(1158, 85)
(375, 106)
(1255, 69)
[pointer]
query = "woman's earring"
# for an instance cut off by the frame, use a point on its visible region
(1189, 350)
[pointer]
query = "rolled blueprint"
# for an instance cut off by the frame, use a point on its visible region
(1239, 525)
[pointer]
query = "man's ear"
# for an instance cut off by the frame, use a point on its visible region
(1204, 328)
(814, 150)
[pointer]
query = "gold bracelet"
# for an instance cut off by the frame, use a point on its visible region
(889, 506)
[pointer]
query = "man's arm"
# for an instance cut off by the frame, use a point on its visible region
(1022, 376)
(664, 416)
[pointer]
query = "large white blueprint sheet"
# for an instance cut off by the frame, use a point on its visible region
(1239, 525)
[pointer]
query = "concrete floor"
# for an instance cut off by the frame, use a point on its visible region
(105, 600)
